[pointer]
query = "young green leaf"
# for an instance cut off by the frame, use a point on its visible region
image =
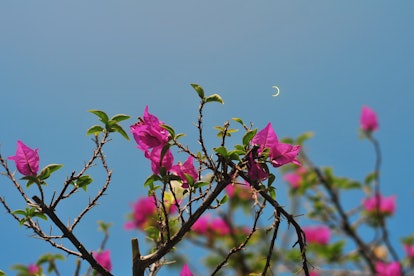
(248, 136)
(120, 117)
(95, 130)
(102, 115)
(120, 130)
(214, 98)
(238, 120)
(199, 90)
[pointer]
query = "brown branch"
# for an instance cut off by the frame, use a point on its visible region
(69, 235)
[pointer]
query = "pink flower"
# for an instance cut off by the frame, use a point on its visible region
(187, 168)
(390, 269)
(254, 171)
(201, 225)
(280, 153)
(186, 271)
(104, 259)
(386, 204)
(317, 234)
(26, 159)
(205, 226)
(368, 120)
(409, 250)
(143, 211)
(156, 162)
(239, 190)
(148, 132)
(294, 178)
(220, 227)
(32, 269)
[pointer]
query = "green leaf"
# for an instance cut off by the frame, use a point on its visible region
(179, 135)
(40, 215)
(200, 184)
(2, 273)
(48, 170)
(120, 130)
(271, 179)
(19, 212)
(102, 115)
(224, 199)
(95, 130)
(151, 179)
(222, 151)
(238, 120)
(199, 90)
(83, 182)
(169, 129)
(120, 117)
(30, 180)
(248, 136)
(304, 136)
(370, 177)
(214, 98)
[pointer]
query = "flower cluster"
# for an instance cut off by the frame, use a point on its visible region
(152, 138)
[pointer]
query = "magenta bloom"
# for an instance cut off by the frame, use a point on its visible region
(104, 259)
(239, 190)
(207, 227)
(254, 171)
(187, 168)
(156, 163)
(390, 269)
(317, 234)
(32, 269)
(293, 179)
(26, 159)
(148, 132)
(219, 226)
(386, 204)
(143, 211)
(409, 250)
(280, 153)
(368, 120)
(201, 225)
(186, 271)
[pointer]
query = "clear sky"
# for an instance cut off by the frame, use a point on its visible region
(60, 59)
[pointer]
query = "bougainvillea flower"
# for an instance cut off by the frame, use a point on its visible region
(388, 269)
(317, 234)
(186, 271)
(33, 269)
(295, 178)
(211, 227)
(104, 259)
(143, 211)
(186, 168)
(219, 226)
(409, 250)
(148, 132)
(254, 171)
(368, 120)
(386, 204)
(156, 163)
(26, 159)
(239, 190)
(201, 225)
(280, 153)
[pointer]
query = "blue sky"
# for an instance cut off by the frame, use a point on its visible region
(58, 60)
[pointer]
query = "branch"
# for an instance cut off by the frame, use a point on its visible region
(68, 234)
